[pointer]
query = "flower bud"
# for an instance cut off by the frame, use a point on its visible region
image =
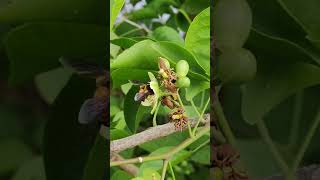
(182, 68)
(163, 63)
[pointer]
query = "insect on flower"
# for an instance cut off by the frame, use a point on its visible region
(144, 91)
(148, 93)
(166, 93)
(95, 108)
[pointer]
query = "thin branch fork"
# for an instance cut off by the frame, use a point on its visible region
(151, 134)
(129, 168)
(202, 131)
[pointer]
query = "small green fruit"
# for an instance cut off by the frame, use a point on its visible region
(182, 68)
(183, 82)
(232, 23)
(236, 65)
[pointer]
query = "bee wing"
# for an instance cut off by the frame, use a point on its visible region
(83, 68)
(91, 110)
(139, 96)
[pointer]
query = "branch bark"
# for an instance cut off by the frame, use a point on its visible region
(151, 134)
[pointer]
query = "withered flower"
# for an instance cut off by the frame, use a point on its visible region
(167, 101)
(167, 76)
(179, 118)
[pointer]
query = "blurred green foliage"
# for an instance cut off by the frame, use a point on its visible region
(40, 137)
(284, 93)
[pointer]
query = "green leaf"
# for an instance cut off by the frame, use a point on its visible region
(139, 56)
(276, 86)
(165, 33)
(95, 167)
(13, 153)
(116, 6)
(171, 140)
(137, 178)
(258, 41)
(273, 84)
(309, 21)
(194, 7)
(31, 170)
(158, 164)
(125, 29)
(123, 42)
(257, 170)
(36, 47)
(278, 21)
(121, 175)
(67, 144)
(118, 134)
(315, 42)
(202, 156)
(126, 87)
(12, 128)
(198, 39)
(123, 75)
(150, 174)
(195, 88)
(118, 121)
(175, 53)
(144, 55)
(181, 156)
(190, 112)
(114, 110)
(114, 49)
(52, 82)
(152, 10)
(199, 142)
(82, 11)
(130, 109)
(142, 114)
(182, 20)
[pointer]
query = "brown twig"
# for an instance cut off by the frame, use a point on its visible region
(153, 133)
(168, 155)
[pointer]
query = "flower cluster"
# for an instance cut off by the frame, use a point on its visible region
(166, 91)
(226, 163)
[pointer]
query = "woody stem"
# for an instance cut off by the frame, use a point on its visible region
(203, 131)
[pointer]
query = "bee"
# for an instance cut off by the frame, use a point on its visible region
(144, 91)
(96, 107)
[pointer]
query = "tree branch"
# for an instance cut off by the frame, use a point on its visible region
(167, 155)
(150, 134)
